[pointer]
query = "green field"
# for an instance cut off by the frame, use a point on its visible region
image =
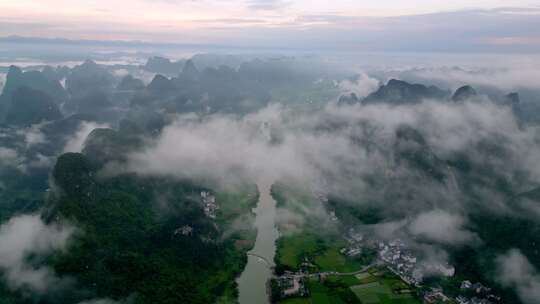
(296, 301)
(381, 292)
(292, 249)
(325, 255)
(321, 294)
(332, 260)
(363, 276)
(367, 278)
(366, 289)
(237, 203)
(344, 280)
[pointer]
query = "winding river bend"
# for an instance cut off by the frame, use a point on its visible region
(252, 282)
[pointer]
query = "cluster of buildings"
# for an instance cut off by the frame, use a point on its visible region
(356, 244)
(435, 295)
(476, 294)
(333, 216)
(475, 300)
(319, 189)
(470, 294)
(397, 257)
(292, 286)
(210, 206)
(401, 261)
(184, 230)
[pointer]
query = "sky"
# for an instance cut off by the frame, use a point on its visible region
(370, 24)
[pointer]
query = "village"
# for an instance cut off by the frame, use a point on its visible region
(210, 208)
(208, 201)
(398, 259)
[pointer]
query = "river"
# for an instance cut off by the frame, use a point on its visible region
(252, 281)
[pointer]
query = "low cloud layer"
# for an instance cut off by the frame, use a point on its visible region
(76, 142)
(441, 227)
(342, 146)
(2, 81)
(361, 85)
(106, 301)
(8, 156)
(33, 135)
(222, 148)
(515, 271)
(27, 235)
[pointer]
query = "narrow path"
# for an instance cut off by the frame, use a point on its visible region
(335, 273)
(366, 268)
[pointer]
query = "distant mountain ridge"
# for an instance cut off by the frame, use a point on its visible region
(399, 92)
